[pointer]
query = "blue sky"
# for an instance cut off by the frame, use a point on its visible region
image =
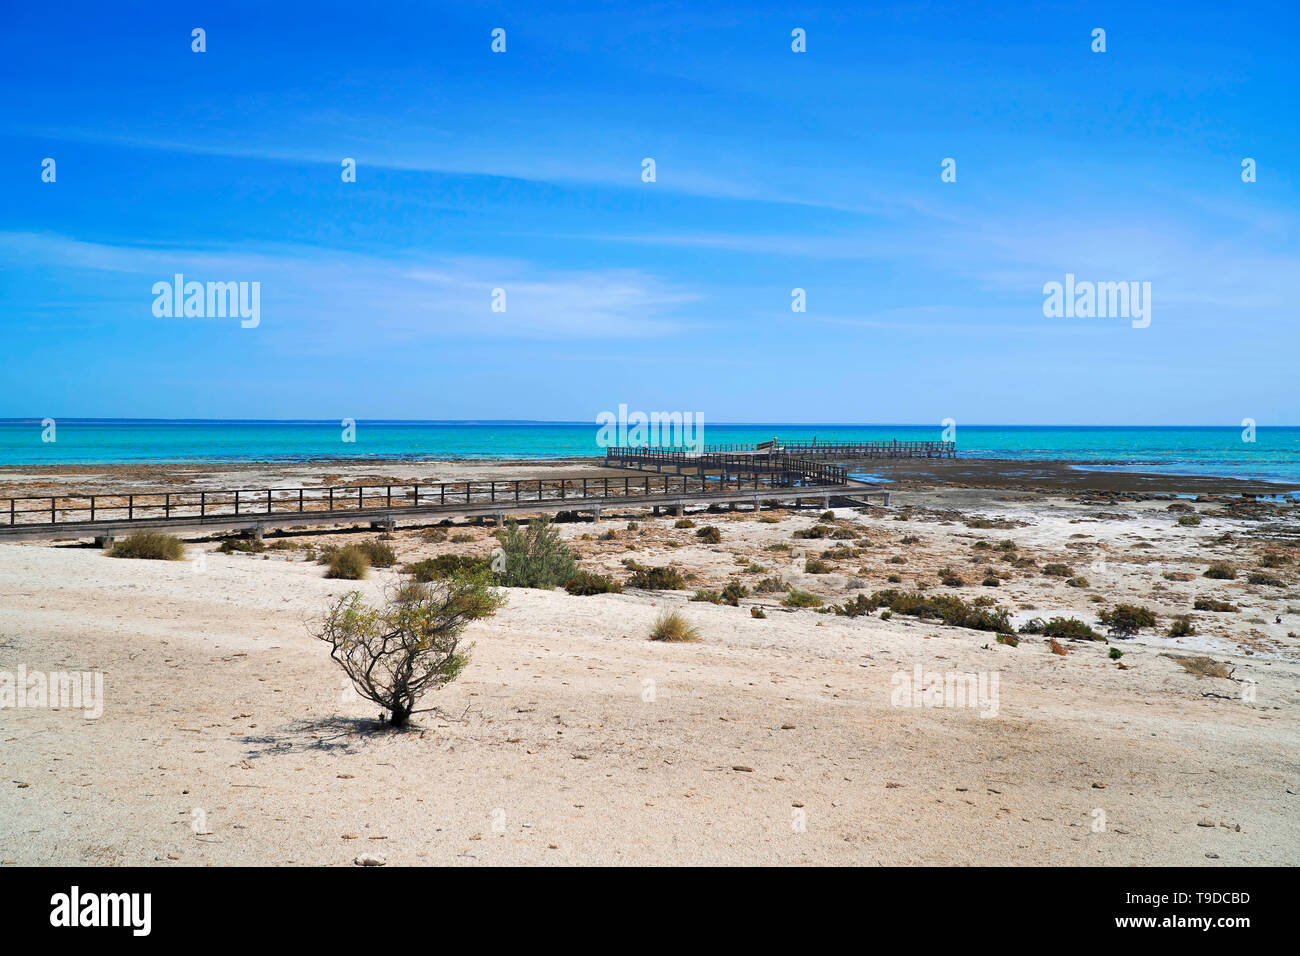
(775, 170)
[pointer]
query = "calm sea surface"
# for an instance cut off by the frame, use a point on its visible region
(1273, 455)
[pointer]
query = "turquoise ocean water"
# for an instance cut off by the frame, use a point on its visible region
(1274, 454)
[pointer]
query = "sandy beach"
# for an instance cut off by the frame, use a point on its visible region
(228, 736)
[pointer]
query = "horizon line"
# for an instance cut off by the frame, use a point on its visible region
(560, 421)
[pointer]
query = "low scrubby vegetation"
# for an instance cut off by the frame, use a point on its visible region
(1213, 604)
(535, 556)
(1259, 577)
(950, 578)
(709, 535)
(826, 531)
(650, 578)
(1204, 667)
(1221, 571)
(149, 546)
(379, 553)
(1067, 627)
(673, 628)
(797, 598)
(1181, 626)
(348, 563)
(242, 546)
(950, 609)
(731, 594)
(446, 566)
(1125, 620)
(586, 583)
(859, 606)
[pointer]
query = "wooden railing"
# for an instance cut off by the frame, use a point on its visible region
(741, 475)
(808, 449)
(782, 470)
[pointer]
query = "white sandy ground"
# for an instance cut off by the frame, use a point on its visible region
(545, 752)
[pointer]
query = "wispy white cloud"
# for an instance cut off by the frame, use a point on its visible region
(320, 294)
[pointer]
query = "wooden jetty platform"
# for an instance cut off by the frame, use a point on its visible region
(624, 456)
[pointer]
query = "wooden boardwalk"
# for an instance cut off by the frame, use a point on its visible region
(733, 474)
(710, 455)
(776, 453)
(105, 516)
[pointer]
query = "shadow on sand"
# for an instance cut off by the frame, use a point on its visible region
(332, 734)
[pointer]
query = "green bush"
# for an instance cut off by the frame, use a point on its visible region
(1070, 627)
(447, 566)
(733, 592)
(823, 531)
(815, 566)
(396, 653)
(654, 578)
(243, 546)
(348, 563)
(1125, 620)
(860, 605)
(712, 597)
(378, 553)
(150, 546)
(950, 578)
(1189, 520)
(797, 598)
(535, 556)
(948, 608)
(757, 612)
(1115, 654)
(586, 583)
(1259, 577)
(1212, 604)
(1181, 626)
